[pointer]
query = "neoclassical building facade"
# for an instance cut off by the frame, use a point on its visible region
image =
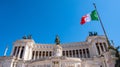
(93, 52)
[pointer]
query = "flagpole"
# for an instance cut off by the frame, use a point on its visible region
(102, 25)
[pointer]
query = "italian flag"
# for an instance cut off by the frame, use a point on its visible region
(89, 17)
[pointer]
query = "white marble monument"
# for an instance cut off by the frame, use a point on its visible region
(90, 53)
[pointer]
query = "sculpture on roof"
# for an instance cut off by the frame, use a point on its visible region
(93, 34)
(57, 40)
(24, 37)
(27, 37)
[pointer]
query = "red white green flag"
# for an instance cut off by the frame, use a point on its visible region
(89, 17)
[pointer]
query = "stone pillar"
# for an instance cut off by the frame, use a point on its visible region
(75, 54)
(26, 52)
(100, 48)
(82, 53)
(79, 53)
(104, 63)
(103, 47)
(48, 54)
(86, 53)
(31, 52)
(65, 53)
(41, 54)
(16, 51)
(34, 55)
(19, 52)
(14, 64)
(68, 54)
(72, 52)
(38, 55)
(45, 54)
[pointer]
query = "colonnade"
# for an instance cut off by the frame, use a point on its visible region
(80, 53)
(41, 54)
(101, 47)
(18, 51)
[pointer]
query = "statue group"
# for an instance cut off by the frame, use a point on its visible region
(27, 37)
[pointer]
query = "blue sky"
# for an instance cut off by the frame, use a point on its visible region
(46, 18)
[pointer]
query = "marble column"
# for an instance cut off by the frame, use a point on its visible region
(100, 48)
(34, 55)
(68, 54)
(41, 54)
(65, 53)
(14, 64)
(72, 52)
(45, 54)
(38, 55)
(19, 52)
(24, 49)
(103, 47)
(79, 53)
(86, 53)
(48, 54)
(82, 53)
(75, 54)
(16, 51)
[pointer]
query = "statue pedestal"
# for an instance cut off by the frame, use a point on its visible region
(57, 51)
